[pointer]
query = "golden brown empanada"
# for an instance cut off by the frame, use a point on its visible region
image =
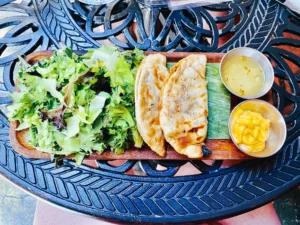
(150, 78)
(184, 107)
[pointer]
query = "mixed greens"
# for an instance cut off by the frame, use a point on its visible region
(79, 104)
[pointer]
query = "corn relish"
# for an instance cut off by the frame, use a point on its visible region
(250, 130)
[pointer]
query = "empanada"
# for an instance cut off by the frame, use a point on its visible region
(150, 78)
(184, 107)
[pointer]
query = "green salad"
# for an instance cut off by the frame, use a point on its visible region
(74, 104)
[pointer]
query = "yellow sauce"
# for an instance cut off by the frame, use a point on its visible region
(243, 76)
(250, 130)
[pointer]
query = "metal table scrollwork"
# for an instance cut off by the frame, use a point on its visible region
(218, 191)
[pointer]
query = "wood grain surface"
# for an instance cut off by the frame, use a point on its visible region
(221, 149)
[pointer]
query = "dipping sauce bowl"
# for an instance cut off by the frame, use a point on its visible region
(256, 56)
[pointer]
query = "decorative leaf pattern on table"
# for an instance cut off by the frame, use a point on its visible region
(21, 34)
(54, 17)
(257, 27)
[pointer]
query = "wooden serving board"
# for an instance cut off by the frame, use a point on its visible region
(221, 149)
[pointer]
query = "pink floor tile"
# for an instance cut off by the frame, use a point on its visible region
(47, 214)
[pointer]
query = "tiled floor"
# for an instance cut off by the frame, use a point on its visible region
(288, 207)
(18, 208)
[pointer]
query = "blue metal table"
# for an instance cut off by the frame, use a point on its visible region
(157, 196)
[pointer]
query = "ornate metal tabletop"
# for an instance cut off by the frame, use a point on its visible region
(156, 195)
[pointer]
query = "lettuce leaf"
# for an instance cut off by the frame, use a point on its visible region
(72, 126)
(96, 106)
(120, 74)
